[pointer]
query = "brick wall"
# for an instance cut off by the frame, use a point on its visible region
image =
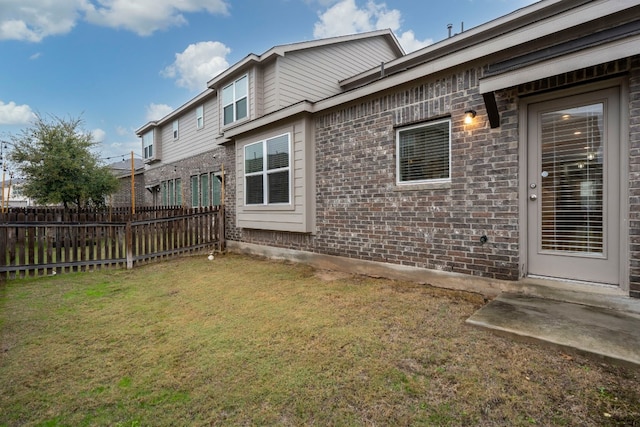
(122, 198)
(361, 212)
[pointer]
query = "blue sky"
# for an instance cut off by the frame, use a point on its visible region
(119, 63)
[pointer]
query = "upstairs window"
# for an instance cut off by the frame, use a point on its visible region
(200, 117)
(235, 100)
(423, 153)
(147, 144)
(267, 171)
(175, 129)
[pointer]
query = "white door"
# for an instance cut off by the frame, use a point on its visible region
(573, 188)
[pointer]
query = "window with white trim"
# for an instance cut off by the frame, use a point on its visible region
(423, 153)
(267, 179)
(195, 191)
(147, 144)
(200, 117)
(175, 129)
(171, 192)
(235, 103)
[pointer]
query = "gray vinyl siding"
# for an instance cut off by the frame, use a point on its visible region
(270, 100)
(298, 216)
(314, 74)
(191, 141)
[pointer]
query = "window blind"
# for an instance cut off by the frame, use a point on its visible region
(572, 179)
(423, 152)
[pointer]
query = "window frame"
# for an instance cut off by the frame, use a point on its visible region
(200, 117)
(435, 122)
(176, 129)
(171, 192)
(235, 100)
(265, 172)
(195, 191)
(147, 147)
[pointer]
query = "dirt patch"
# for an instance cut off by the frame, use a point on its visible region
(330, 276)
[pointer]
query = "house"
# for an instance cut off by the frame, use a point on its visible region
(182, 151)
(13, 196)
(126, 194)
(507, 152)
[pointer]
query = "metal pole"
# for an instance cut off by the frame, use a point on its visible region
(9, 190)
(3, 198)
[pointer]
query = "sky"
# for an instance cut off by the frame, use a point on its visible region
(117, 64)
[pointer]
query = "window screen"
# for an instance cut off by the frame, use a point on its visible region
(267, 170)
(424, 152)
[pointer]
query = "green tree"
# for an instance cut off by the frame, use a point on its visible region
(58, 166)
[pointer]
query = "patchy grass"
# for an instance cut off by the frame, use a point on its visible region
(243, 341)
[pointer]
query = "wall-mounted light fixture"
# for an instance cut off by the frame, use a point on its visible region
(469, 115)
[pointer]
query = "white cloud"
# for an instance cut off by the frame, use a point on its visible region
(345, 17)
(144, 17)
(157, 111)
(122, 131)
(33, 20)
(409, 42)
(98, 135)
(197, 64)
(35, 56)
(12, 114)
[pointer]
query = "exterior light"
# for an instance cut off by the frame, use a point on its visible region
(469, 115)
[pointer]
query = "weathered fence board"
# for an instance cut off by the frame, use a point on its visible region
(32, 244)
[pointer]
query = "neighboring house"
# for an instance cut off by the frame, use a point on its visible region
(185, 160)
(123, 197)
(13, 194)
(543, 180)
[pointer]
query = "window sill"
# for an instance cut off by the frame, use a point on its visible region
(268, 208)
(443, 185)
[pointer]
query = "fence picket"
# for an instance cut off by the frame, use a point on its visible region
(37, 241)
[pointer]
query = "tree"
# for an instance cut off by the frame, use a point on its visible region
(58, 166)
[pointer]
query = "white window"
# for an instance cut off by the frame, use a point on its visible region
(147, 144)
(235, 101)
(423, 153)
(267, 171)
(171, 192)
(175, 129)
(200, 117)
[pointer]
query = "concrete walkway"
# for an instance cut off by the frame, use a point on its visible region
(610, 331)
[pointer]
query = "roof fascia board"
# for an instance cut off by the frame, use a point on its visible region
(581, 59)
(617, 49)
(300, 107)
(518, 27)
(235, 68)
(537, 29)
(175, 113)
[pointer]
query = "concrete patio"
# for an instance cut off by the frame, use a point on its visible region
(605, 325)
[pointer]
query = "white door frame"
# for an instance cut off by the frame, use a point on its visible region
(523, 108)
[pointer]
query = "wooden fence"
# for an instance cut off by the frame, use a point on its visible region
(38, 242)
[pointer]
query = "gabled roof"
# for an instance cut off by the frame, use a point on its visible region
(251, 59)
(541, 21)
(535, 21)
(172, 115)
(282, 50)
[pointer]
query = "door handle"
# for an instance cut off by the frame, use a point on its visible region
(533, 196)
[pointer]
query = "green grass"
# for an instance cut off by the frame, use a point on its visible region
(244, 341)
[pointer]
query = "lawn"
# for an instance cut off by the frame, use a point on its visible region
(245, 341)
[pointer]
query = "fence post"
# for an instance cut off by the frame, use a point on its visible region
(129, 242)
(221, 228)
